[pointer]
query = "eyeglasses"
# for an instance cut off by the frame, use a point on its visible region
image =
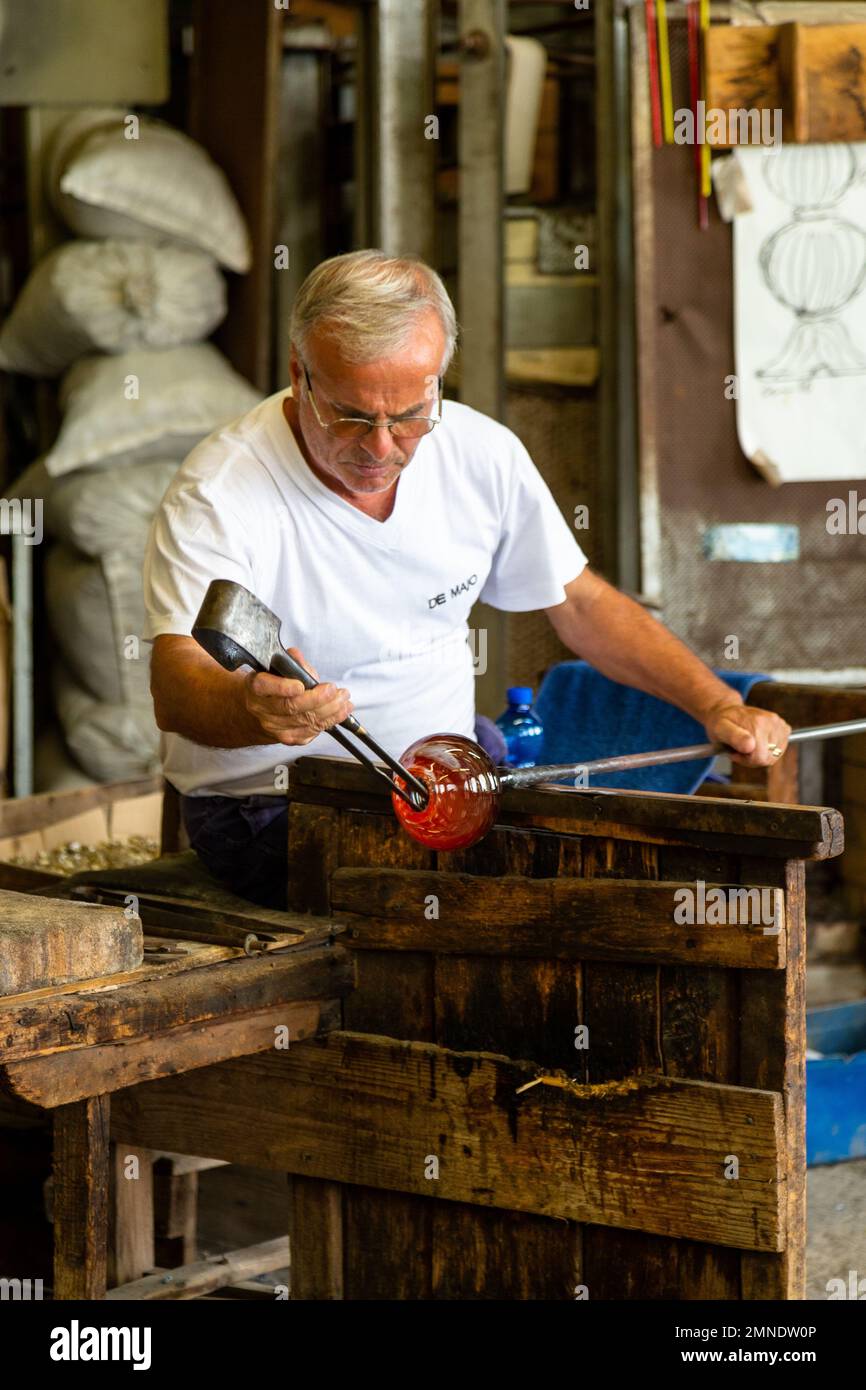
(355, 427)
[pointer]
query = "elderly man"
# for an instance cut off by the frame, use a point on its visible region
(371, 515)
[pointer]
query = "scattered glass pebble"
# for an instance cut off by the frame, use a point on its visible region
(71, 858)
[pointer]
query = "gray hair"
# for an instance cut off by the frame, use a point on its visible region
(371, 301)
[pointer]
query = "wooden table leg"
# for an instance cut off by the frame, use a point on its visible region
(133, 1225)
(315, 1238)
(81, 1198)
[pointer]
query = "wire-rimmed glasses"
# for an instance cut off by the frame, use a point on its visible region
(357, 427)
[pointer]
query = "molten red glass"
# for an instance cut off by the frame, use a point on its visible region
(463, 787)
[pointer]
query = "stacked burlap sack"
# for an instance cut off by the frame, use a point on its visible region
(121, 315)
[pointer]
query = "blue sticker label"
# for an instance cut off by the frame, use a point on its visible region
(752, 542)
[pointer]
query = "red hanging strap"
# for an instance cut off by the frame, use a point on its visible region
(653, 56)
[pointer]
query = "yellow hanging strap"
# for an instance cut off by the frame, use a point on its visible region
(665, 71)
(706, 180)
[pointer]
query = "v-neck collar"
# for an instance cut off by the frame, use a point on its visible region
(389, 534)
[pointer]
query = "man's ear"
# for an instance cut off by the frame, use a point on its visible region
(296, 371)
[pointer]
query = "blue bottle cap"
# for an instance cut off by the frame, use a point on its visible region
(519, 694)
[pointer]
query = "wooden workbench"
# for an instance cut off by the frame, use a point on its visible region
(661, 1155)
(76, 1048)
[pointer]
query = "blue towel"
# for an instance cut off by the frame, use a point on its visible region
(587, 716)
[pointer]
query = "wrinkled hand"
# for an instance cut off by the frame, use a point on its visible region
(749, 731)
(289, 713)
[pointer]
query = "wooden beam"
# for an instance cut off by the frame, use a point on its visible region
(742, 67)
(316, 1228)
(133, 1226)
(805, 705)
(815, 74)
(203, 1277)
(175, 1215)
(155, 967)
(774, 1007)
(169, 909)
(81, 1184)
(234, 79)
(643, 249)
(554, 918)
(21, 814)
(802, 832)
(617, 492)
(58, 1078)
(647, 1153)
(139, 1011)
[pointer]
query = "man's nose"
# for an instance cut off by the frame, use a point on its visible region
(377, 442)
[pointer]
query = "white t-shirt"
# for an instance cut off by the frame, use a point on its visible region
(379, 607)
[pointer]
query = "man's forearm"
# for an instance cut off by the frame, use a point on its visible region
(196, 698)
(203, 703)
(625, 643)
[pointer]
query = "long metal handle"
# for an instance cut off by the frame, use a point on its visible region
(415, 793)
(532, 776)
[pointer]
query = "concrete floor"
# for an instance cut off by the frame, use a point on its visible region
(836, 1194)
(836, 1241)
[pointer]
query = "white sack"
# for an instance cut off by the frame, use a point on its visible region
(110, 296)
(160, 185)
(112, 743)
(96, 613)
(145, 405)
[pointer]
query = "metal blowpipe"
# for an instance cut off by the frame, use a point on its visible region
(621, 762)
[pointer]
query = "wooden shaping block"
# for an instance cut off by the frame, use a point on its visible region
(46, 941)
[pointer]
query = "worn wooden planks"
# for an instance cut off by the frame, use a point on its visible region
(773, 1054)
(81, 1185)
(316, 1239)
(141, 1010)
(511, 915)
(551, 941)
(387, 1235)
(131, 1249)
(202, 1277)
(525, 1008)
(621, 1013)
(75, 1073)
(647, 1153)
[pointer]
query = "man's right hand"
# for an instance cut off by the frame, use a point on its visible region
(194, 697)
(287, 712)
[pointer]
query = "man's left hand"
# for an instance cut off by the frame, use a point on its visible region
(754, 733)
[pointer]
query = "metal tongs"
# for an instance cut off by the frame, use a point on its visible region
(237, 629)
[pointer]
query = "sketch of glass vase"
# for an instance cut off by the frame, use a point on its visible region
(815, 264)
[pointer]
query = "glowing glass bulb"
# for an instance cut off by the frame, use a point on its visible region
(463, 787)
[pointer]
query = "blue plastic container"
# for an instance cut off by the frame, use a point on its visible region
(836, 1083)
(521, 728)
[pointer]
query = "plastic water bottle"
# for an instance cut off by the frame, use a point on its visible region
(521, 728)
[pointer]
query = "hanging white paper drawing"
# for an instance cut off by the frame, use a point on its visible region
(800, 312)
